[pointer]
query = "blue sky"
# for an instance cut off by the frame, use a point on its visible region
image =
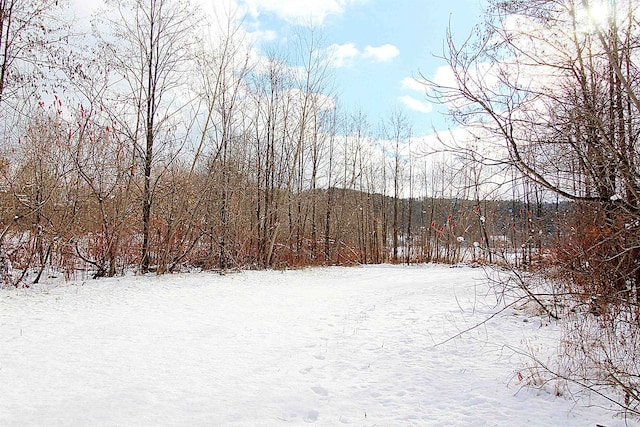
(379, 44)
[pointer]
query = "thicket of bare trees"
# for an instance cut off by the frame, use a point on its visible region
(159, 142)
(551, 89)
(148, 146)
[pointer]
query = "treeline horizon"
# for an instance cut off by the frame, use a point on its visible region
(69, 235)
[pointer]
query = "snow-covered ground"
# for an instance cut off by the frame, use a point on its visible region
(328, 346)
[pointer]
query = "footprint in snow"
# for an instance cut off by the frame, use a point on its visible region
(320, 391)
(306, 370)
(312, 416)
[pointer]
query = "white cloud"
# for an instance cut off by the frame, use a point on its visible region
(84, 8)
(344, 55)
(384, 53)
(411, 83)
(416, 105)
(445, 77)
(312, 12)
(262, 36)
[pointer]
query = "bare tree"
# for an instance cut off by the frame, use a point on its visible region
(150, 44)
(224, 66)
(29, 32)
(269, 125)
(553, 86)
(398, 132)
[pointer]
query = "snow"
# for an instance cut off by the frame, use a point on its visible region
(325, 346)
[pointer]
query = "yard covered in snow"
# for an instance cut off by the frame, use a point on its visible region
(328, 346)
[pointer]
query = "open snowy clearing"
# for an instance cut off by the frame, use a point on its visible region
(328, 346)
